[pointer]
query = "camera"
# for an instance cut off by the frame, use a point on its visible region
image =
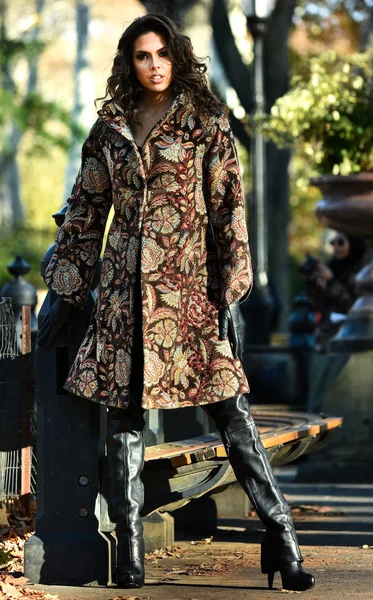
(308, 266)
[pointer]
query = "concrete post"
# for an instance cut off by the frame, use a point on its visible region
(67, 548)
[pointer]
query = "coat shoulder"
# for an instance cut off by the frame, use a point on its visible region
(215, 124)
(99, 131)
(100, 138)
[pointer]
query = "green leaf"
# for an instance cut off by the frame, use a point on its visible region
(330, 109)
(5, 556)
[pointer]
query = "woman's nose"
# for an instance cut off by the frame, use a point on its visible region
(154, 62)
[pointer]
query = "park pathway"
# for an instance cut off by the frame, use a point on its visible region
(335, 527)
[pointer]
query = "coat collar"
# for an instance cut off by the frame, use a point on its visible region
(114, 116)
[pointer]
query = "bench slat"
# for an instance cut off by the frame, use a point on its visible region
(286, 428)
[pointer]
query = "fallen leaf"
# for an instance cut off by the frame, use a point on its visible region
(17, 580)
(37, 595)
(203, 541)
(132, 598)
(169, 551)
(309, 509)
(3, 517)
(10, 590)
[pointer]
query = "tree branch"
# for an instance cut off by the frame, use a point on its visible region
(235, 69)
(367, 30)
(276, 51)
(239, 131)
(33, 62)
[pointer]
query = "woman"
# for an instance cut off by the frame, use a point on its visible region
(335, 282)
(332, 285)
(164, 334)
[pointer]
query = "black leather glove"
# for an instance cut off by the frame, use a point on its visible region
(52, 322)
(229, 327)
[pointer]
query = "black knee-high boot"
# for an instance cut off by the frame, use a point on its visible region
(125, 453)
(249, 460)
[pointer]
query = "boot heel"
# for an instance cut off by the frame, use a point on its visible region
(270, 580)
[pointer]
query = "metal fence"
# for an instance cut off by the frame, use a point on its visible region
(8, 333)
(17, 414)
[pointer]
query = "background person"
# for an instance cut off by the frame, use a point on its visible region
(332, 285)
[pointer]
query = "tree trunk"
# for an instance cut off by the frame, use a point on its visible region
(11, 208)
(34, 61)
(235, 69)
(276, 74)
(277, 161)
(367, 29)
(83, 112)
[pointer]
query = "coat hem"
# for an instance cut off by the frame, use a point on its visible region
(145, 405)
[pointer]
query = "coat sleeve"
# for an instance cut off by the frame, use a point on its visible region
(70, 271)
(226, 209)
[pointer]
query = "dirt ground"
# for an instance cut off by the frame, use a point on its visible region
(335, 529)
(230, 570)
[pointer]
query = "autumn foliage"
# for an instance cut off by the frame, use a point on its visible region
(15, 529)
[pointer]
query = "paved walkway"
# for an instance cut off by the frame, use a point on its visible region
(332, 532)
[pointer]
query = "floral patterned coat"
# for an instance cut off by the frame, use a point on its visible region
(179, 210)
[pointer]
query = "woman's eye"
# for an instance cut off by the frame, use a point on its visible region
(163, 53)
(140, 56)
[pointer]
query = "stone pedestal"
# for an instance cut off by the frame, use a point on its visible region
(231, 502)
(199, 517)
(158, 531)
(349, 454)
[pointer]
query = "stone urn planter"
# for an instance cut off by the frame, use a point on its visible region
(347, 206)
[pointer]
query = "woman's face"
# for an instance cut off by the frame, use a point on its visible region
(151, 62)
(341, 246)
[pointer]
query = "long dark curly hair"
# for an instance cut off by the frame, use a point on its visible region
(188, 73)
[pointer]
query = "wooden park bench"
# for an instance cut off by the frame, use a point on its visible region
(178, 471)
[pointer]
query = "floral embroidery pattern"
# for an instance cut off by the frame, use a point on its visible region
(95, 177)
(151, 256)
(238, 224)
(165, 202)
(166, 219)
(122, 368)
(153, 368)
(88, 383)
(66, 278)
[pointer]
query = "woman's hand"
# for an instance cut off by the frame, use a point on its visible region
(52, 322)
(322, 275)
(229, 327)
